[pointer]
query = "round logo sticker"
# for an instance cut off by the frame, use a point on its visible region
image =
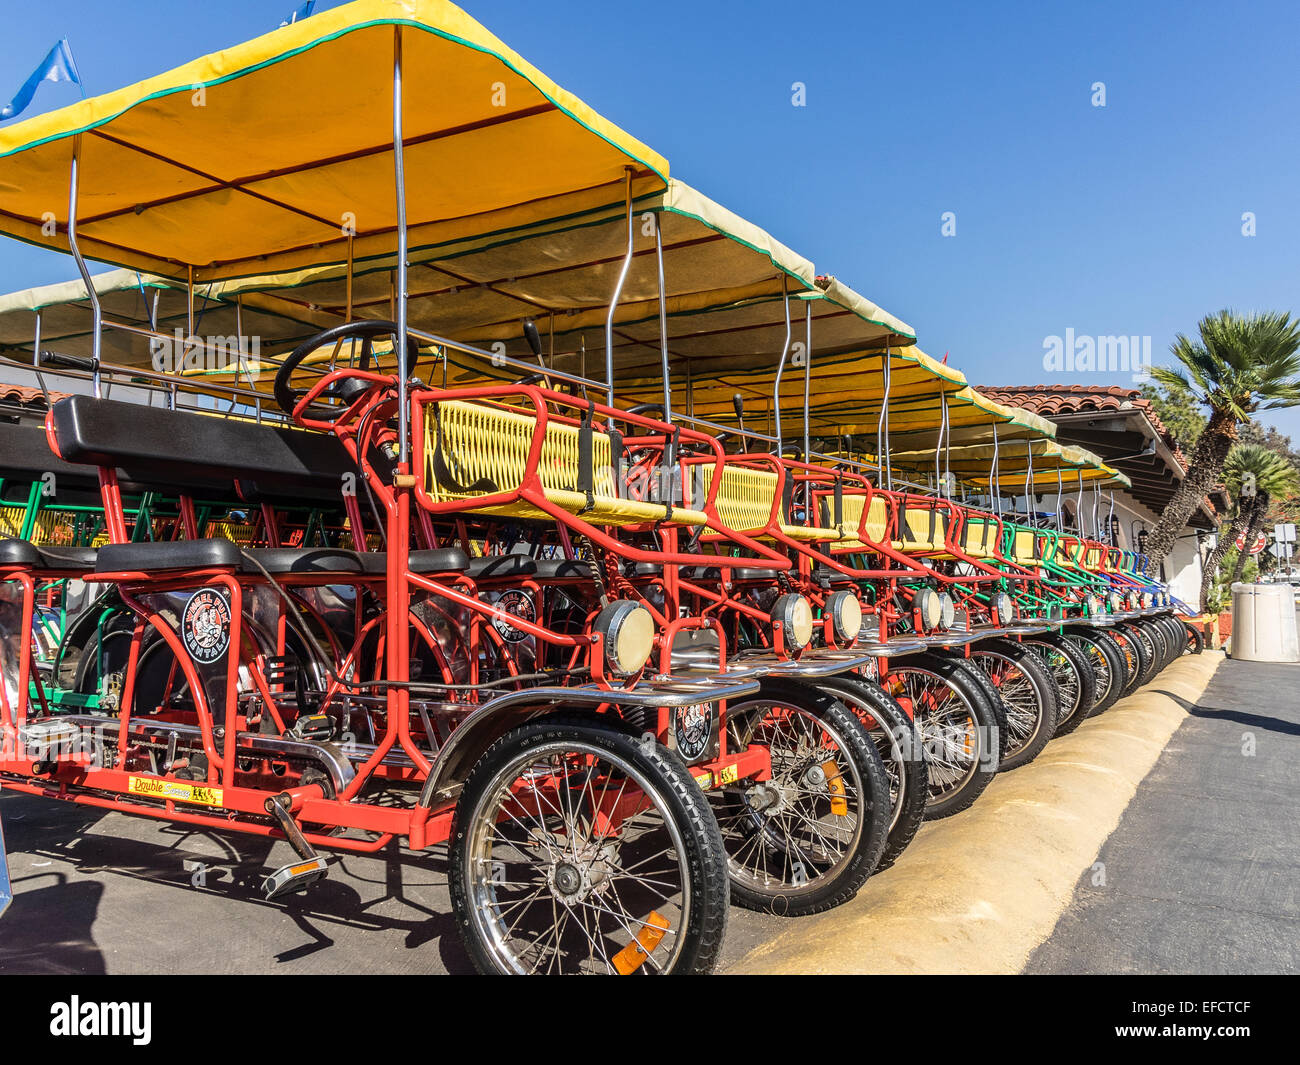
(205, 625)
(517, 604)
(692, 729)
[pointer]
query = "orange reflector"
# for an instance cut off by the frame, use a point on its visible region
(306, 867)
(835, 784)
(633, 956)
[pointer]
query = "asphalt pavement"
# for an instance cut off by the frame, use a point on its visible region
(1201, 874)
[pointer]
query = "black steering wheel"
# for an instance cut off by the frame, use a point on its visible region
(288, 396)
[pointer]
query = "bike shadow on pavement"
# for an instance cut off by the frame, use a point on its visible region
(370, 892)
(1240, 717)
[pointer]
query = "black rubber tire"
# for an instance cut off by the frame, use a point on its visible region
(898, 741)
(1145, 646)
(1160, 626)
(987, 715)
(825, 892)
(1134, 658)
(1058, 652)
(1096, 645)
(705, 859)
(1043, 687)
(1194, 639)
(1157, 626)
(1177, 638)
(1161, 636)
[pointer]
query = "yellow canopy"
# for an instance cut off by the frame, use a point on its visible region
(259, 158)
(144, 302)
(971, 464)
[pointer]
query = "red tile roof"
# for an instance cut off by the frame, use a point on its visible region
(1047, 400)
(27, 397)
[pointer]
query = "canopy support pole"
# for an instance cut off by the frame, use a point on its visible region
(348, 316)
(1078, 517)
(618, 291)
(663, 324)
(780, 368)
(1060, 503)
(807, 384)
(36, 342)
(97, 311)
(1030, 500)
(882, 425)
(993, 475)
(242, 355)
(399, 176)
(946, 429)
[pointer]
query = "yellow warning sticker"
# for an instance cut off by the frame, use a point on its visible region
(704, 780)
(729, 775)
(174, 790)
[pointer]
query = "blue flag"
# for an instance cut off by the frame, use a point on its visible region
(57, 66)
(300, 13)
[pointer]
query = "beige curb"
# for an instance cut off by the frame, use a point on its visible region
(977, 892)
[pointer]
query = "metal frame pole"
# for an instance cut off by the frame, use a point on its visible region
(807, 384)
(618, 292)
(399, 177)
(995, 474)
(882, 425)
(97, 311)
(663, 322)
(945, 428)
(1029, 482)
(780, 369)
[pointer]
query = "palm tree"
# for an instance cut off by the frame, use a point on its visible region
(1238, 365)
(1275, 478)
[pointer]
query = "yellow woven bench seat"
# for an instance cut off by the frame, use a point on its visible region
(980, 539)
(485, 449)
(1022, 549)
(918, 535)
(745, 499)
(876, 526)
(810, 532)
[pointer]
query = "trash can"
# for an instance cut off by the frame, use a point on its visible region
(1263, 623)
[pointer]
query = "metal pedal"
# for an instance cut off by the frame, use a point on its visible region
(313, 727)
(300, 875)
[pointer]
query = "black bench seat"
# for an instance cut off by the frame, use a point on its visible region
(165, 556)
(283, 560)
(68, 558)
(15, 552)
(438, 560)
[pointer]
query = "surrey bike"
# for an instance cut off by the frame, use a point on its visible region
(524, 456)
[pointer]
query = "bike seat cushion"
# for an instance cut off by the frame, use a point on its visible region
(69, 558)
(14, 552)
(168, 556)
(550, 569)
(642, 569)
(303, 560)
(438, 560)
(490, 566)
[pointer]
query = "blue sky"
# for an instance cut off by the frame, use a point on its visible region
(1116, 220)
